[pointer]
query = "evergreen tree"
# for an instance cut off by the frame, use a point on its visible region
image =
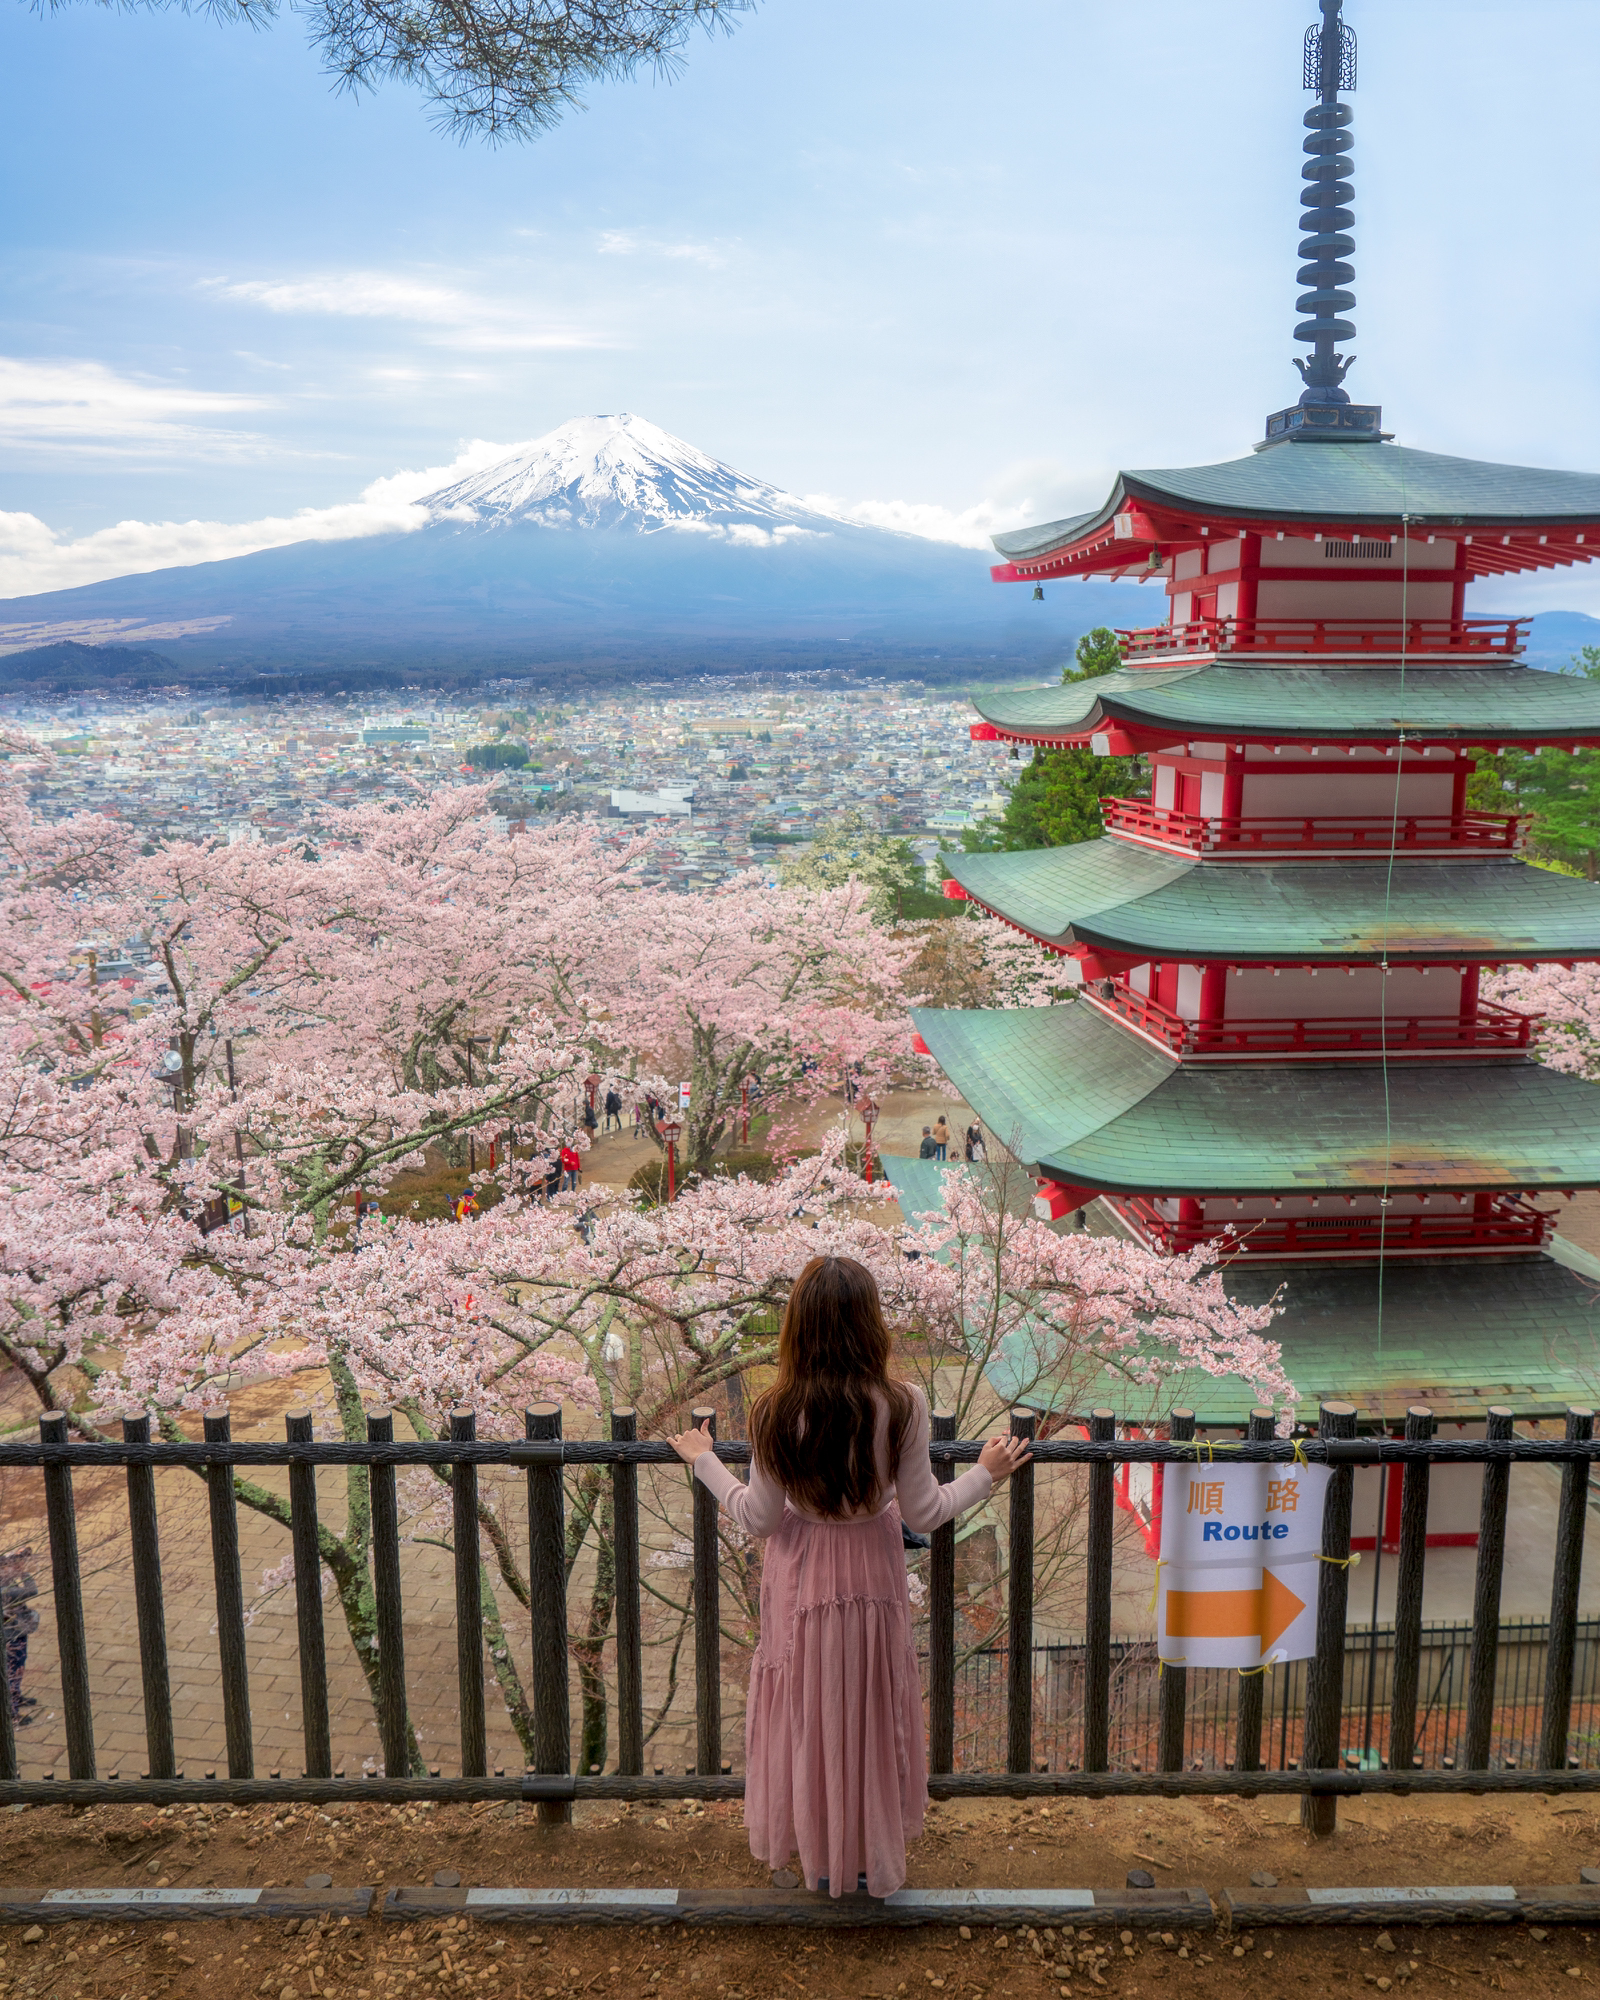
(505, 71)
(1056, 799)
(1559, 790)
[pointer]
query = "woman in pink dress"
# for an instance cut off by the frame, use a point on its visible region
(836, 1765)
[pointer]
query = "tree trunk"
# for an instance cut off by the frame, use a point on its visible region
(589, 1651)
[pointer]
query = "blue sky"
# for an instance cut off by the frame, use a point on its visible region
(951, 266)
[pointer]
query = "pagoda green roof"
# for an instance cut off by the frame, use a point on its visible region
(1078, 1098)
(1111, 895)
(1355, 483)
(1458, 1336)
(1441, 704)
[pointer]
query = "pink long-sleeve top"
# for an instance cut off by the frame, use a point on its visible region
(924, 1503)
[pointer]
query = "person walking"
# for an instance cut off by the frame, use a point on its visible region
(974, 1142)
(929, 1149)
(941, 1136)
(571, 1165)
(613, 1109)
(835, 1761)
(638, 1115)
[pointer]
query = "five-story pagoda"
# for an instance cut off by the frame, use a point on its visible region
(1280, 1040)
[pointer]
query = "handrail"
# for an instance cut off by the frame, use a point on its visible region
(1375, 833)
(1511, 1224)
(1504, 636)
(1057, 1450)
(1491, 1027)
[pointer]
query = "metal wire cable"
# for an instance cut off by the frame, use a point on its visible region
(1383, 967)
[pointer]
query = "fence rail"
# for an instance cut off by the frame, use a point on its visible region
(1093, 1717)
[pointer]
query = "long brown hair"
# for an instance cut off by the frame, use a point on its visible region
(813, 1430)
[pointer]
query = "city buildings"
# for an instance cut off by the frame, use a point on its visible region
(728, 781)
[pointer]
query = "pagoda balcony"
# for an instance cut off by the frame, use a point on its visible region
(1482, 1226)
(1239, 838)
(1492, 1030)
(1328, 638)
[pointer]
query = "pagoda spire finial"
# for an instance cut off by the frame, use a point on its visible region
(1330, 67)
(1326, 245)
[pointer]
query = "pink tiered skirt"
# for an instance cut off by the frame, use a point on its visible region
(836, 1763)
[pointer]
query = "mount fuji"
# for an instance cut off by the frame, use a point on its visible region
(606, 547)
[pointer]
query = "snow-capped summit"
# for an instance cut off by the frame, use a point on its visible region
(622, 472)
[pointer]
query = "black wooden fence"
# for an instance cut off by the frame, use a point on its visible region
(1211, 1717)
(1321, 1770)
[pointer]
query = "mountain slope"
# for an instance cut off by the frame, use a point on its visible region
(608, 537)
(621, 472)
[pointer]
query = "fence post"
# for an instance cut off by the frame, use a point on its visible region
(298, 1429)
(625, 1582)
(1319, 1811)
(1406, 1666)
(387, 1602)
(1097, 1604)
(547, 1587)
(62, 1515)
(469, 1600)
(1019, 1607)
(942, 1618)
(1173, 1681)
(229, 1576)
(1252, 1685)
(1486, 1597)
(707, 1624)
(1564, 1597)
(149, 1606)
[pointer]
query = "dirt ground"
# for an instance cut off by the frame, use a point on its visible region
(968, 1844)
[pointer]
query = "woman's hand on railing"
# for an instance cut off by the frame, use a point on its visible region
(1001, 1456)
(690, 1444)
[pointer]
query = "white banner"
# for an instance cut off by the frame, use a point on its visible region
(1239, 1563)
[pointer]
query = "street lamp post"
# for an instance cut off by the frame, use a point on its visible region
(671, 1133)
(869, 1118)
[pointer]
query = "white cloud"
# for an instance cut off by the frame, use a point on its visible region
(33, 557)
(77, 405)
(351, 294)
(459, 318)
(1037, 490)
(624, 243)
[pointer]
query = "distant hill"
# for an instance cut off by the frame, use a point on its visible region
(1557, 636)
(68, 665)
(603, 550)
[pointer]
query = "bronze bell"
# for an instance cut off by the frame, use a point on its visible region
(1038, 593)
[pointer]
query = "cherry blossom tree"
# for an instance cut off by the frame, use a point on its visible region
(790, 987)
(356, 986)
(1568, 996)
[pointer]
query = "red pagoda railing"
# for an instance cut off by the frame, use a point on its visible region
(1508, 1223)
(1493, 1029)
(1503, 636)
(1138, 819)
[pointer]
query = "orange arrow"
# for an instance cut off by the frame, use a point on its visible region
(1266, 1613)
(1213, 1614)
(1279, 1609)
